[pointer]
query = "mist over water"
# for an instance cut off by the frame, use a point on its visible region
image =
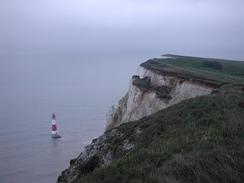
(79, 90)
(208, 28)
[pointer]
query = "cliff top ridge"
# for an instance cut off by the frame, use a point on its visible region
(210, 71)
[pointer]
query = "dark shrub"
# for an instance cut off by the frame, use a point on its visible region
(144, 83)
(90, 165)
(163, 92)
(213, 64)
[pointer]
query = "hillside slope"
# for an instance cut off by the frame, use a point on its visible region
(198, 140)
(198, 136)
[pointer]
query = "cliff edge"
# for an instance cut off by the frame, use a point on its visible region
(160, 84)
(198, 140)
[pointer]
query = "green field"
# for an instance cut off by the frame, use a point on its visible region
(230, 67)
(228, 71)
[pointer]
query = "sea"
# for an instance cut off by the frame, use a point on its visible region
(80, 90)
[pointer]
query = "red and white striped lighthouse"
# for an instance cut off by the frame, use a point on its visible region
(54, 127)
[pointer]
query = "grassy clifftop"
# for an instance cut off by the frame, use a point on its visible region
(199, 140)
(215, 72)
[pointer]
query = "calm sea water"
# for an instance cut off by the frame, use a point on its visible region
(80, 91)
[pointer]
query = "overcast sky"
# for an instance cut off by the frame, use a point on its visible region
(211, 28)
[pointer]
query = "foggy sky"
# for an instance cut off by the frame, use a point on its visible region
(211, 28)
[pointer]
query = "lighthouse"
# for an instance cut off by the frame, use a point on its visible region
(55, 134)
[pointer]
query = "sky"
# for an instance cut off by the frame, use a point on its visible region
(122, 28)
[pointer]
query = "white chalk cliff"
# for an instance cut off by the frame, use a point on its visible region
(149, 92)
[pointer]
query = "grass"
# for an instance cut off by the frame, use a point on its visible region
(200, 140)
(230, 67)
(194, 67)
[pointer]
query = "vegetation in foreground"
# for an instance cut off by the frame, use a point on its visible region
(197, 141)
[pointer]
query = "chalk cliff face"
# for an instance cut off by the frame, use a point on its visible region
(149, 92)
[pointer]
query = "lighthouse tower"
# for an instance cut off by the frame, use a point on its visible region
(54, 127)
